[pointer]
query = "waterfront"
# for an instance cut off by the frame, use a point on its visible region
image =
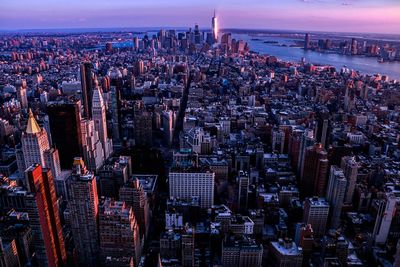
(364, 65)
(285, 50)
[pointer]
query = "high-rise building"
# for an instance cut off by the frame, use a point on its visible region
(21, 93)
(286, 253)
(115, 90)
(87, 88)
(316, 212)
(354, 47)
(136, 43)
(185, 184)
(385, 209)
(44, 219)
(34, 143)
(315, 170)
(168, 121)
(397, 255)
(133, 195)
(119, 232)
(307, 139)
(243, 195)
(65, 125)
(322, 127)
(294, 147)
(350, 170)
(226, 41)
(188, 246)
(6, 130)
(334, 248)
(335, 194)
(307, 42)
(197, 36)
(113, 175)
(109, 47)
(91, 145)
(241, 251)
(52, 161)
(278, 140)
(16, 242)
(9, 253)
(170, 245)
(304, 238)
(99, 118)
(83, 208)
(214, 23)
(143, 128)
(139, 67)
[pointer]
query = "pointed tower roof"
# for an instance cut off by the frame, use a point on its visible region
(32, 127)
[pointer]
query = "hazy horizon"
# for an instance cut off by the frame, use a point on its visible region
(73, 30)
(355, 16)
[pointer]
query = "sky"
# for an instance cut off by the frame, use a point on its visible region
(377, 16)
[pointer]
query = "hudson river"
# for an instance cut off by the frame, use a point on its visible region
(365, 65)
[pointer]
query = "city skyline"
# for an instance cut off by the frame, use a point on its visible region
(260, 135)
(306, 15)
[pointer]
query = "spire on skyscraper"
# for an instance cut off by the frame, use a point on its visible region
(32, 126)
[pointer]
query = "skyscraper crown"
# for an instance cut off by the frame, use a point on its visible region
(32, 127)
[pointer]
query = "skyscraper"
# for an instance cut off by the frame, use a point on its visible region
(385, 210)
(186, 184)
(119, 232)
(226, 41)
(243, 181)
(315, 170)
(83, 207)
(99, 117)
(21, 93)
(42, 208)
(307, 139)
(65, 125)
(304, 238)
(91, 145)
(139, 67)
(115, 87)
(188, 246)
(307, 44)
(214, 23)
(168, 122)
(34, 143)
(278, 140)
(136, 43)
(335, 194)
(87, 88)
(52, 161)
(354, 46)
(9, 253)
(316, 211)
(143, 128)
(350, 170)
(132, 193)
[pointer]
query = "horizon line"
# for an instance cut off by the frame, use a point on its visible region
(126, 29)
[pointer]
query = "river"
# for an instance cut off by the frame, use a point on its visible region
(365, 65)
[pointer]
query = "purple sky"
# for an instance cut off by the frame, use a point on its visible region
(382, 16)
